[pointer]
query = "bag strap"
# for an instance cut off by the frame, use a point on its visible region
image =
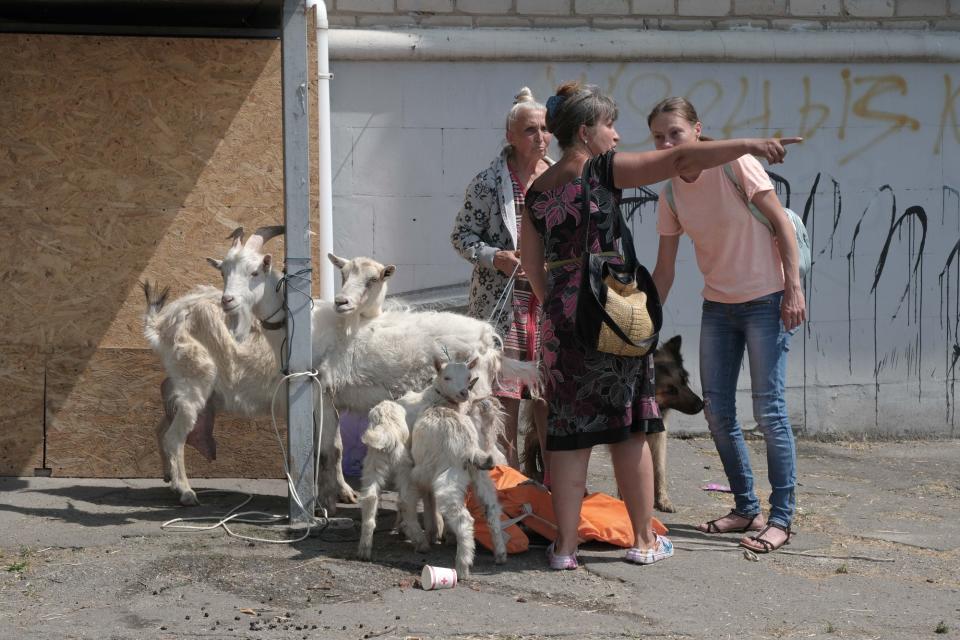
(668, 194)
(629, 259)
(585, 205)
(732, 175)
(627, 250)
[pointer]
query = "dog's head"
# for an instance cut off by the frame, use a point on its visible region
(673, 382)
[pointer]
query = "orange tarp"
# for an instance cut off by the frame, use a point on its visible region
(602, 517)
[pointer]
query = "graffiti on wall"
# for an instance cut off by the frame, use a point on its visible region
(831, 106)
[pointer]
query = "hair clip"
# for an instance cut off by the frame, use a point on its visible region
(553, 105)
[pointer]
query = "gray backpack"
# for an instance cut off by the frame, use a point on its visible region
(803, 240)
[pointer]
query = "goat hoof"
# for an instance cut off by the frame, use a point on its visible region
(363, 553)
(347, 495)
(463, 573)
(500, 558)
(423, 547)
(188, 498)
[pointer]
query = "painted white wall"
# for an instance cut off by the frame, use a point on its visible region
(881, 141)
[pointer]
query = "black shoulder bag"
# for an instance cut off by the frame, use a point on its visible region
(618, 307)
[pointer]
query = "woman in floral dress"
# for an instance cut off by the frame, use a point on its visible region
(485, 233)
(598, 398)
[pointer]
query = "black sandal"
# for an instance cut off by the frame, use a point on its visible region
(712, 527)
(766, 545)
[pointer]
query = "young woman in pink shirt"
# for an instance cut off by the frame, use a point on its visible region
(752, 300)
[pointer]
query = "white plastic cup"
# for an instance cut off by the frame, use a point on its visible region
(438, 578)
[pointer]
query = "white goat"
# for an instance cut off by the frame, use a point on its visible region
(387, 439)
(218, 359)
(382, 359)
(446, 454)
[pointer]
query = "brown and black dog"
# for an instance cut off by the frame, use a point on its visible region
(673, 394)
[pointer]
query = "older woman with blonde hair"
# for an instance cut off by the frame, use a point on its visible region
(487, 233)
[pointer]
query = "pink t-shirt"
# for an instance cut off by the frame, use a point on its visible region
(735, 252)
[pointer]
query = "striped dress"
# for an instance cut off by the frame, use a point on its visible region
(522, 341)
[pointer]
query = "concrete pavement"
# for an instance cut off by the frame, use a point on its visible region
(876, 555)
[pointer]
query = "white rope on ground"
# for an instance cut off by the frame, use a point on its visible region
(263, 518)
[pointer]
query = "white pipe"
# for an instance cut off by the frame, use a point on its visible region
(324, 162)
(618, 45)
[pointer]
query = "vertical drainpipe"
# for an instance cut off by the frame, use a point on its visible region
(324, 163)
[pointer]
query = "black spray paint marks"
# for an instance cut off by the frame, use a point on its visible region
(635, 204)
(852, 274)
(950, 286)
(952, 326)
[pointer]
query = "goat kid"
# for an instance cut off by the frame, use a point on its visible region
(388, 439)
(447, 458)
(221, 354)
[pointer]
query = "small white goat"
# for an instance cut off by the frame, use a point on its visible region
(388, 439)
(447, 458)
(445, 453)
(223, 355)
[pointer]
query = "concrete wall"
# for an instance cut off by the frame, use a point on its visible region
(877, 180)
(807, 15)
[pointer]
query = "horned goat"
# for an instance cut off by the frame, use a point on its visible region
(221, 352)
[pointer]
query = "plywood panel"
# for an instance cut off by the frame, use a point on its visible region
(156, 122)
(124, 159)
(21, 412)
(103, 407)
(74, 279)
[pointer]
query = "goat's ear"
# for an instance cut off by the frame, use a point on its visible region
(473, 381)
(337, 261)
(215, 263)
(388, 271)
(437, 364)
(674, 344)
(267, 262)
(473, 363)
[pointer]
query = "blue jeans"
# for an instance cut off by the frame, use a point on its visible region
(725, 331)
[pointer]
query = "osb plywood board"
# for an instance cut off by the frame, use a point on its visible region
(102, 409)
(73, 280)
(139, 122)
(21, 411)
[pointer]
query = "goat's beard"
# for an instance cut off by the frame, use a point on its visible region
(240, 322)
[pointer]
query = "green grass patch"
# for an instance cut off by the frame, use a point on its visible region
(17, 567)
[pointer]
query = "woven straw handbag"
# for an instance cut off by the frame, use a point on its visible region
(618, 308)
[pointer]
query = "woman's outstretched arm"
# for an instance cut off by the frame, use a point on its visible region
(647, 167)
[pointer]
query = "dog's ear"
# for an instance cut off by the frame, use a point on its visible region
(674, 344)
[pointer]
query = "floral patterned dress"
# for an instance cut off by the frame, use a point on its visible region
(595, 398)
